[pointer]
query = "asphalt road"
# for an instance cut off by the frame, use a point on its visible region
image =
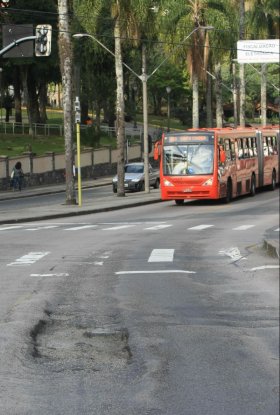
(153, 310)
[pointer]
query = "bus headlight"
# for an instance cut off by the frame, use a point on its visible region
(208, 182)
(167, 183)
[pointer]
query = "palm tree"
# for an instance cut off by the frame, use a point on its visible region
(263, 17)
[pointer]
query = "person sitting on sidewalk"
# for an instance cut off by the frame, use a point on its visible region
(17, 176)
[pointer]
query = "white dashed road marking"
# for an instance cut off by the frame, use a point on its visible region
(157, 227)
(6, 228)
(160, 271)
(28, 259)
(77, 228)
(116, 228)
(41, 227)
(161, 255)
(243, 227)
(265, 267)
(200, 227)
(61, 274)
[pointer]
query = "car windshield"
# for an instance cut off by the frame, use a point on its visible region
(188, 159)
(134, 168)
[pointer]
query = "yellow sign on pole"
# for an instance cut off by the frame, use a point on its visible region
(79, 163)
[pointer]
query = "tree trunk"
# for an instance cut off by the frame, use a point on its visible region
(66, 64)
(119, 107)
(43, 100)
(242, 121)
(195, 109)
(209, 102)
(219, 104)
(263, 95)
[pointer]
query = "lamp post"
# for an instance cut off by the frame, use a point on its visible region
(134, 102)
(144, 78)
(1, 93)
(168, 90)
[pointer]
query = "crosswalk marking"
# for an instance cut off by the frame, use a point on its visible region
(116, 228)
(161, 255)
(78, 228)
(28, 259)
(157, 227)
(243, 227)
(200, 227)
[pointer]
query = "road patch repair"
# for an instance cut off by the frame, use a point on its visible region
(61, 345)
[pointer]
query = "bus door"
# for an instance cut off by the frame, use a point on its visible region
(260, 158)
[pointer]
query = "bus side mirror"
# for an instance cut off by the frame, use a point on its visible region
(222, 156)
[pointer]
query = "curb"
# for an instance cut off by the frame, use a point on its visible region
(79, 213)
(272, 248)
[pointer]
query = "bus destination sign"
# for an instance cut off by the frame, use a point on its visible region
(187, 138)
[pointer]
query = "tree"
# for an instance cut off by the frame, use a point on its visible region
(66, 67)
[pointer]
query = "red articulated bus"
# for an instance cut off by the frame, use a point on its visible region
(217, 163)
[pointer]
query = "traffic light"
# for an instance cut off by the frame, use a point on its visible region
(4, 3)
(43, 40)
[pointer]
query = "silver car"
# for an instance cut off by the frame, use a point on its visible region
(134, 177)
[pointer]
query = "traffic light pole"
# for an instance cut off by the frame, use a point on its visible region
(15, 43)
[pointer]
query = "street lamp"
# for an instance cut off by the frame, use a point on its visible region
(144, 78)
(134, 102)
(168, 90)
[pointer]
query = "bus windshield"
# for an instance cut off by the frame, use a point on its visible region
(188, 159)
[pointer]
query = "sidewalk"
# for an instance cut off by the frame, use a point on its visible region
(10, 215)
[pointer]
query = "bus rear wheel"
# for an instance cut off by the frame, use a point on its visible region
(179, 202)
(273, 181)
(253, 186)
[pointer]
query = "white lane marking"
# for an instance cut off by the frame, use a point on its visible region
(265, 267)
(160, 271)
(243, 227)
(98, 263)
(233, 253)
(60, 274)
(200, 227)
(161, 255)
(276, 230)
(157, 227)
(77, 228)
(116, 228)
(28, 259)
(41, 227)
(6, 228)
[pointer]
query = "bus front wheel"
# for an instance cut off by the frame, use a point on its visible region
(228, 197)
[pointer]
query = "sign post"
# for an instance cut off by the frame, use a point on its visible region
(78, 131)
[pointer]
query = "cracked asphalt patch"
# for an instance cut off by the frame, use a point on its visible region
(61, 345)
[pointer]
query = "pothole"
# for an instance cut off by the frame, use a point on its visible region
(64, 346)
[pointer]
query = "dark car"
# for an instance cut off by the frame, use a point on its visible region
(134, 177)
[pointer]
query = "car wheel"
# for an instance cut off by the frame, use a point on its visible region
(141, 186)
(156, 185)
(114, 189)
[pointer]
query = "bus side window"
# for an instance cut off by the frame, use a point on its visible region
(228, 150)
(250, 146)
(265, 147)
(232, 150)
(240, 149)
(245, 148)
(254, 147)
(274, 145)
(269, 143)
